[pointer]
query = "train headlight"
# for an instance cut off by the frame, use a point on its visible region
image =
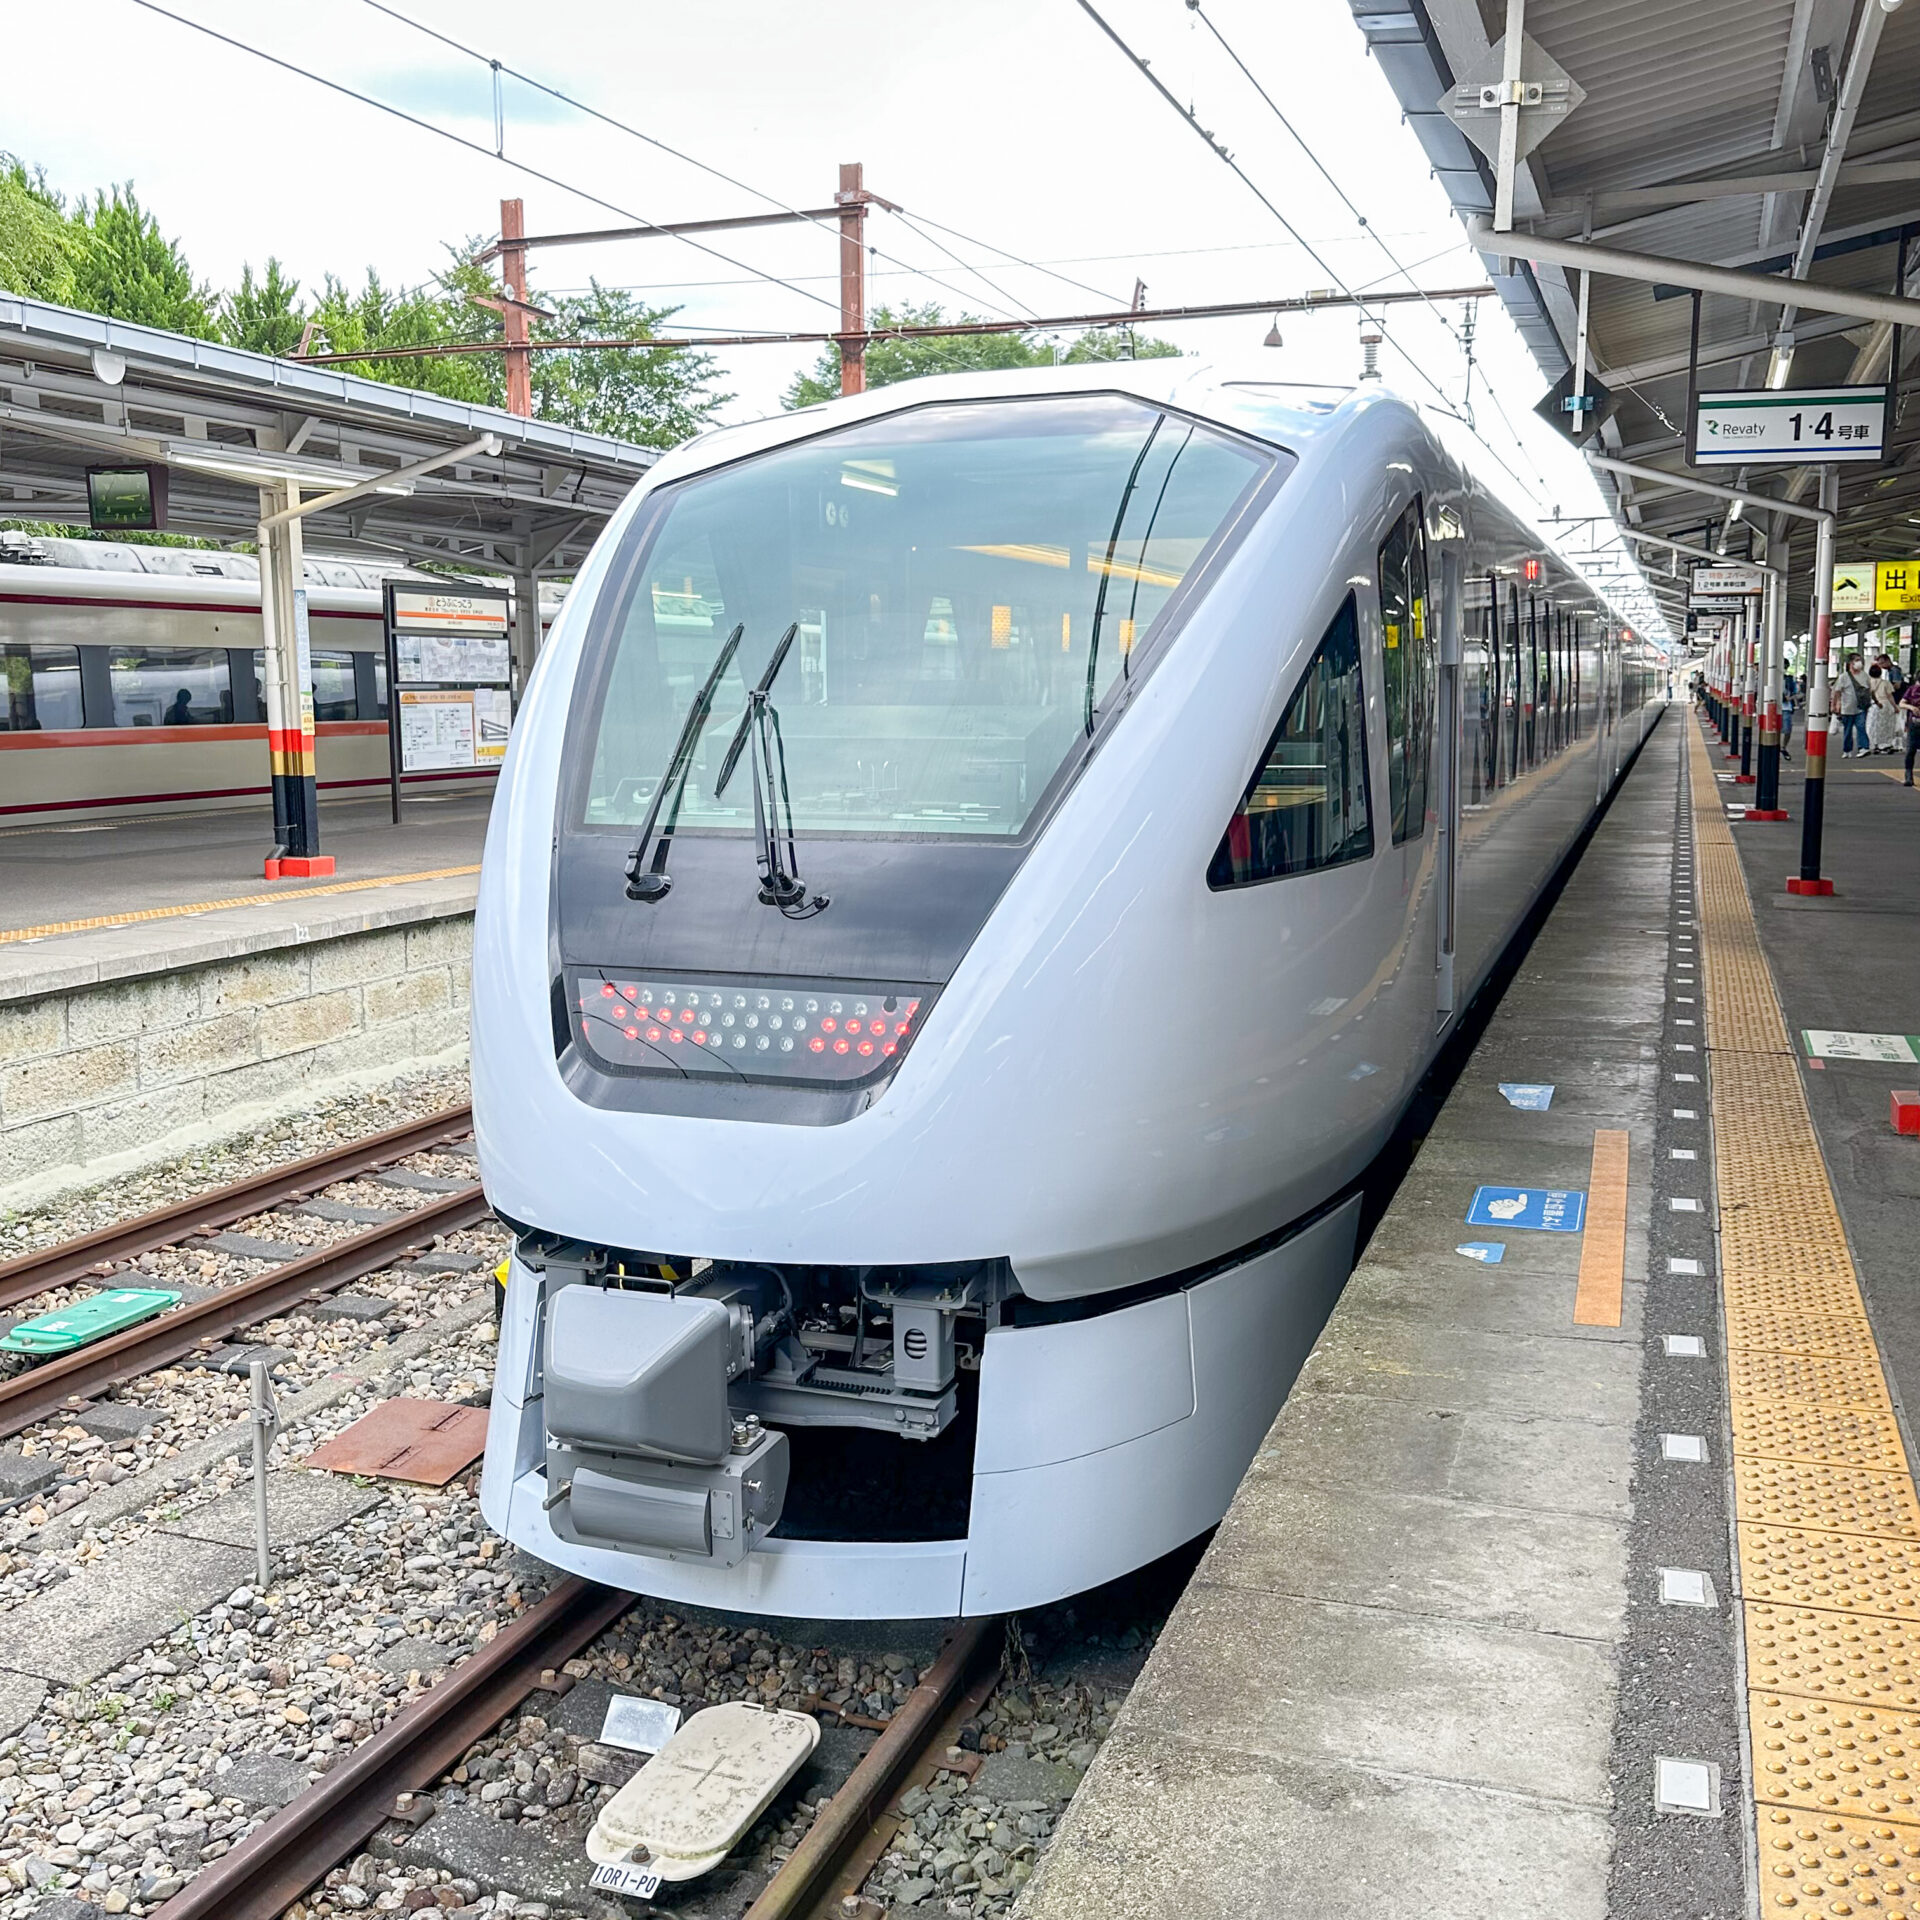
(814, 1033)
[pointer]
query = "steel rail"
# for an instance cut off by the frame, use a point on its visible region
(294, 1848)
(796, 1889)
(92, 1255)
(63, 1385)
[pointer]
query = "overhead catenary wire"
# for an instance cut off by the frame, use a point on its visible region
(1221, 153)
(472, 146)
(651, 140)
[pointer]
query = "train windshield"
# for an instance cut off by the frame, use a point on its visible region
(967, 583)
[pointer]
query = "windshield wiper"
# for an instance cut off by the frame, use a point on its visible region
(1106, 572)
(780, 885)
(653, 883)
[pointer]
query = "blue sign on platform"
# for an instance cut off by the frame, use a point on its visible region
(1543, 1209)
(1527, 1096)
(1488, 1252)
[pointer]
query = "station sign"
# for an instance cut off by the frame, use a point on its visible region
(1853, 587)
(1714, 586)
(1789, 426)
(1877, 586)
(1896, 586)
(449, 680)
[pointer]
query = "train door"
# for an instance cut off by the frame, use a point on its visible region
(1447, 764)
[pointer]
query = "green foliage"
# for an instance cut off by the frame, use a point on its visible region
(109, 256)
(128, 268)
(37, 245)
(656, 399)
(263, 315)
(891, 360)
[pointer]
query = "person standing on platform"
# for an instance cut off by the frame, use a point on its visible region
(1910, 708)
(1850, 699)
(1883, 712)
(1789, 700)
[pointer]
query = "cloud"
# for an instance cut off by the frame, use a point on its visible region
(462, 96)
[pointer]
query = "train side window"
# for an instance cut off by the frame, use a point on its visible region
(42, 688)
(1309, 806)
(334, 696)
(1408, 656)
(169, 687)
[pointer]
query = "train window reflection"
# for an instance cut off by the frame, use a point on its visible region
(42, 688)
(966, 581)
(1309, 805)
(169, 687)
(335, 692)
(1408, 657)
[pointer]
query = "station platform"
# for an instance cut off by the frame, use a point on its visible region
(157, 995)
(1580, 1579)
(66, 875)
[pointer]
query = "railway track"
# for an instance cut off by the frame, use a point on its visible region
(95, 1256)
(63, 1385)
(387, 1776)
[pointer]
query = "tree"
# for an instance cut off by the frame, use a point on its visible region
(37, 244)
(128, 268)
(654, 397)
(891, 360)
(264, 316)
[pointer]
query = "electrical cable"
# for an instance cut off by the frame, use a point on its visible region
(1194, 7)
(1221, 153)
(907, 221)
(472, 146)
(651, 140)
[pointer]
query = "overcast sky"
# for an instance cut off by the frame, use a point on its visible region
(1013, 122)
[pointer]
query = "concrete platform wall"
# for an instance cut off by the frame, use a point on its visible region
(122, 1047)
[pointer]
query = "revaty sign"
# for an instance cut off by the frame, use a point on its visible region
(1794, 426)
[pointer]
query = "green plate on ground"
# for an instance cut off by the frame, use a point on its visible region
(87, 1321)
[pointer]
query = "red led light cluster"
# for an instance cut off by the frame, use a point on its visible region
(747, 1028)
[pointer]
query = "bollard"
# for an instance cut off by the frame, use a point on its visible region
(266, 1426)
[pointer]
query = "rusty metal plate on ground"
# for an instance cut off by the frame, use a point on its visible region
(426, 1441)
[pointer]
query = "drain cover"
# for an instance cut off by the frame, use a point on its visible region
(421, 1440)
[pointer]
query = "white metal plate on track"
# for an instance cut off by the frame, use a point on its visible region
(689, 1805)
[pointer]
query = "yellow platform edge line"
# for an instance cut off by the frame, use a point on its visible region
(1826, 1513)
(239, 900)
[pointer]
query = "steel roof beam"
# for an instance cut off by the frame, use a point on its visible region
(1662, 270)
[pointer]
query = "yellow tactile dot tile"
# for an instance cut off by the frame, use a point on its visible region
(1809, 1493)
(1827, 1380)
(1850, 1571)
(1817, 1865)
(1833, 1656)
(1835, 1757)
(1839, 1436)
(1787, 1329)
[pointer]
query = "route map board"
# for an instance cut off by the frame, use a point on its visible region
(449, 672)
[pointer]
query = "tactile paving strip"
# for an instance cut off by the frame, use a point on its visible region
(1795, 1566)
(1839, 1436)
(1833, 1757)
(1815, 1493)
(1819, 1863)
(1821, 1379)
(1832, 1656)
(1828, 1519)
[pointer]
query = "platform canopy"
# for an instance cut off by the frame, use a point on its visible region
(79, 391)
(1687, 139)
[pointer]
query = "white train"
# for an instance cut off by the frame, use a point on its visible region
(981, 868)
(131, 682)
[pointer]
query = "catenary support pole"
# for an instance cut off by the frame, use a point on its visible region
(852, 202)
(513, 273)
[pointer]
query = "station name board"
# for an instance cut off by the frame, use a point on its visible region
(1877, 586)
(1789, 426)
